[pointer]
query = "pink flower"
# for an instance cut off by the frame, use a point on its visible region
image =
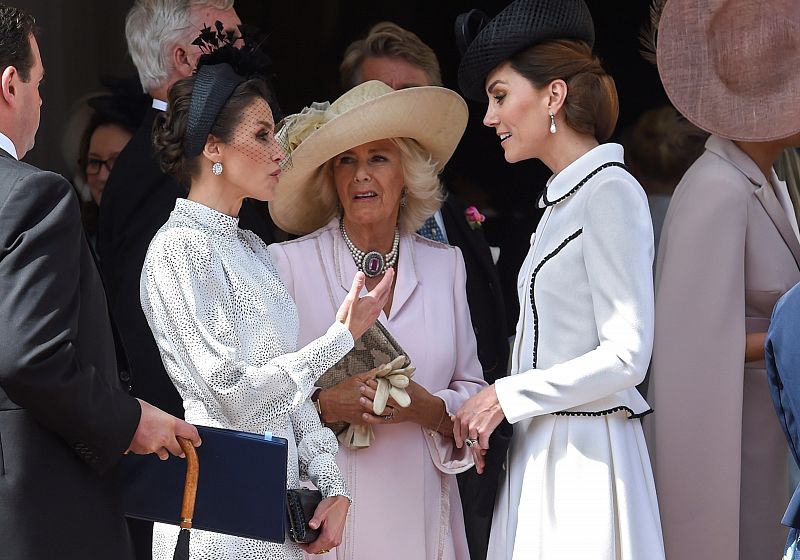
(474, 217)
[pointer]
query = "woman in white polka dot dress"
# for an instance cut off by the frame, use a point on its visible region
(225, 325)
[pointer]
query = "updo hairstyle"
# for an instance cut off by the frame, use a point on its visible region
(591, 106)
(169, 127)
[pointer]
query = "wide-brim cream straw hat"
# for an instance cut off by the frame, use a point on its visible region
(732, 67)
(433, 116)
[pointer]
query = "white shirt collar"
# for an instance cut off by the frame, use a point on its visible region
(8, 145)
(160, 105)
(561, 183)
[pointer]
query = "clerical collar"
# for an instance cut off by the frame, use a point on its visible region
(160, 105)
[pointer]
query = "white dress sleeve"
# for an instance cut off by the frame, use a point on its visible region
(316, 449)
(189, 300)
(618, 256)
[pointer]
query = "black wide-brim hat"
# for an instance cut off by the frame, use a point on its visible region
(520, 25)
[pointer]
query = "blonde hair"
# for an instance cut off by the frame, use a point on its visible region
(387, 39)
(424, 195)
(153, 27)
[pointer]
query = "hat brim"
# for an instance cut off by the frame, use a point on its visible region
(759, 113)
(435, 117)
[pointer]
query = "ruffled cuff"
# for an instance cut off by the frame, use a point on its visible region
(444, 453)
(326, 476)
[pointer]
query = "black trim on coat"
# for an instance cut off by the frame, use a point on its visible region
(533, 296)
(574, 189)
(631, 414)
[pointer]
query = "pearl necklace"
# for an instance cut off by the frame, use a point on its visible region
(372, 263)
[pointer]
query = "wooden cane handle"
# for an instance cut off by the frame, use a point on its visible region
(190, 485)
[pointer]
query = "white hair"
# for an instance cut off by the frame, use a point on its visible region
(154, 27)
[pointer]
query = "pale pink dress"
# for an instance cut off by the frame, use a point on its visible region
(405, 497)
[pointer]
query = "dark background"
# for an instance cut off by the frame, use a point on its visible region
(82, 40)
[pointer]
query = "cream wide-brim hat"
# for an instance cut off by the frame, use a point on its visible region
(732, 67)
(435, 117)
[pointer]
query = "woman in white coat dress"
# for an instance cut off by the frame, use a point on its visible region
(578, 479)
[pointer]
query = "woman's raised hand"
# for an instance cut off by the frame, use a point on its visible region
(359, 313)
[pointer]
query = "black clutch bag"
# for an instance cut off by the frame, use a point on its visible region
(301, 503)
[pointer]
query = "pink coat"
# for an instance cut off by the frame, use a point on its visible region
(405, 497)
(728, 252)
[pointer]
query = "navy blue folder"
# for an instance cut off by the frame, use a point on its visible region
(241, 489)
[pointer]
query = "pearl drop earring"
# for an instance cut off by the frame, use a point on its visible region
(552, 122)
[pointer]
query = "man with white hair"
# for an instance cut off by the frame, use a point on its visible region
(139, 197)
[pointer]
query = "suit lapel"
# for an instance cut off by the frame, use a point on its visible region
(728, 150)
(772, 206)
(461, 235)
(407, 278)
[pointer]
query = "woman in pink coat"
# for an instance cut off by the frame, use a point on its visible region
(366, 157)
(729, 250)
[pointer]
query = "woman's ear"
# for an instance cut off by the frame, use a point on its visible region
(557, 95)
(214, 149)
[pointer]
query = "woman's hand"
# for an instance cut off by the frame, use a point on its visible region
(425, 409)
(359, 313)
(478, 418)
(330, 515)
(754, 347)
(340, 403)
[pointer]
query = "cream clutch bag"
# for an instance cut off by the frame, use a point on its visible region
(375, 348)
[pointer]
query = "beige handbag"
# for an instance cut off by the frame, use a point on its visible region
(375, 348)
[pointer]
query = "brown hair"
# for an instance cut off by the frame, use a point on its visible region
(169, 127)
(387, 39)
(661, 146)
(591, 106)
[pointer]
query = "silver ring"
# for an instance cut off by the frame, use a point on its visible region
(389, 416)
(470, 442)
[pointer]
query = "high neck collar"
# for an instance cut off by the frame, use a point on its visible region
(207, 217)
(560, 184)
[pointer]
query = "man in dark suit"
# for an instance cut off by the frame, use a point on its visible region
(65, 418)
(139, 197)
(400, 59)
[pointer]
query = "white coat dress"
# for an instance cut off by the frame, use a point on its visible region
(578, 480)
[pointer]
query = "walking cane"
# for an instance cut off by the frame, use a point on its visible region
(189, 495)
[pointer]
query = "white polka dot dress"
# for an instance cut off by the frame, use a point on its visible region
(227, 331)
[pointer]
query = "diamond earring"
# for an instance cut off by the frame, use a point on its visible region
(552, 122)
(404, 198)
(216, 169)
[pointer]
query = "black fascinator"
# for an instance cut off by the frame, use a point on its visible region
(228, 60)
(522, 24)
